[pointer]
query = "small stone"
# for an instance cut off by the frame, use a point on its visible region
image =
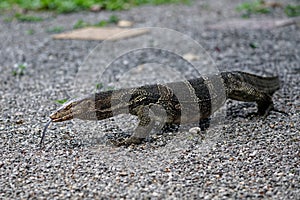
(19, 114)
(96, 8)
(195, 130)
(125, 23)
(269, 193)
(20, 121)
(155, 194)
(123, 174)
(190, 57)
(253, 154)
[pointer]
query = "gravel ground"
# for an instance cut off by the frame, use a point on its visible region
(244, 157)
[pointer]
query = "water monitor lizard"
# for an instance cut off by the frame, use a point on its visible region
(143, 102)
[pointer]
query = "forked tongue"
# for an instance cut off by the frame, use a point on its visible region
(44, 132)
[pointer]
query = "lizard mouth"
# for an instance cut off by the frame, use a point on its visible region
(62, 114)
(55, 118)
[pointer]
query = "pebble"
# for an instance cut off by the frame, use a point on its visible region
(195, 130)
(124, 23)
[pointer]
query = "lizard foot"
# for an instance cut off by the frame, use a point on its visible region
(265, 113)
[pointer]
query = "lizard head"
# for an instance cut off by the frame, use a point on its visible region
(93, 107)
(82, 108)
(88, 108)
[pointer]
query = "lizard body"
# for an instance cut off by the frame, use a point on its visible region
(177, 102)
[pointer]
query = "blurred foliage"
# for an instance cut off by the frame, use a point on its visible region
(292, 10)
(113, 19)
(67, 6)
(27, 18)
(55, 29)
(263, 7)
(253, 7)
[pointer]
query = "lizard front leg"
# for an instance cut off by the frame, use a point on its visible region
(148, 115)
(143, 129)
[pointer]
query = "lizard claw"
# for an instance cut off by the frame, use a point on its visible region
(274, 110)
(280, 111)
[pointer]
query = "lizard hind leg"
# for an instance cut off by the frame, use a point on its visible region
(246, 87)
(249, 93)
(265, 105)
(264, 109)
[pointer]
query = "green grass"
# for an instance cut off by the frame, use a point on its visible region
(80, 24)
(61, 101)
(23, 18)
(67, 6)
(27, 18)
(55, 29)
(252, 7)
(292, 10)
(30, 32)
(100, 86)
(259, 7)
(19, 70)
(113, 19)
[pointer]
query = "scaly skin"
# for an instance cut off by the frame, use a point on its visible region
(177, 102)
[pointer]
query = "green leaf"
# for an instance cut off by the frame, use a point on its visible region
(61, 101)
(253, 45)
(19, 70)
(14, 73)
(99, 86)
